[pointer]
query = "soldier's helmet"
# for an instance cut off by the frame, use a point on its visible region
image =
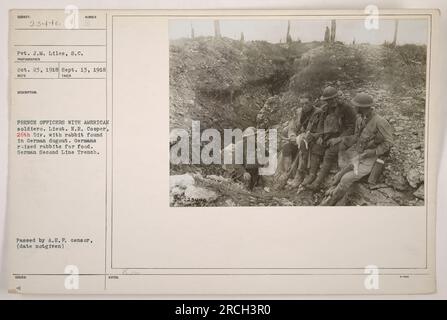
(362, 100)
(329, 93)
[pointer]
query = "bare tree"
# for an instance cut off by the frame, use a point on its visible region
(333, 30)
(242, 37)
(396, 29)
(288, 36)
(327, 35)
(217, 29)
(192, 32)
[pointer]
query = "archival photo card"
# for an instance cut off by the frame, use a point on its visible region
(302, 158)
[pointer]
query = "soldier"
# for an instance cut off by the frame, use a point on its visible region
(294, 142)
(373, 138)
(247, 172)
(309, 155)
(336, 120)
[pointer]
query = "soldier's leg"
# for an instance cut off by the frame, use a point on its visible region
(316, 152)
(288, 151)
(303, 157)
(330, 157)
(336, 179)
(346, 182)
(254, 176)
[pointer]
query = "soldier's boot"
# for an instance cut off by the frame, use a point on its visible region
(282, 181)
(336, 196)
(309, 179)
(314, 166)
(316, 184)
(299, 178)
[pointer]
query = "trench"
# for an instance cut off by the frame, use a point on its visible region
(226, 84)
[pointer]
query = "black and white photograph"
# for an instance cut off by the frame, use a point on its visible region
(326, 112)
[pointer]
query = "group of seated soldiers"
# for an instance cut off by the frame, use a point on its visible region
(333, 133)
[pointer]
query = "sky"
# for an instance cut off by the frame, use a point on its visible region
(410, 31)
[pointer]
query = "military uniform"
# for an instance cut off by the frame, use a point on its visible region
(308, 155)
(372, 139)
(290, 150)
(333, 122)
(296, 127)
(249, 164)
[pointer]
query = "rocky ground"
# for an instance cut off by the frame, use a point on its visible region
(228, 84)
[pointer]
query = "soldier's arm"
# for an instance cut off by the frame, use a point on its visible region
(349, 140)
(292, 129)
(295, 125)
(316, 124)
(386, 130)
